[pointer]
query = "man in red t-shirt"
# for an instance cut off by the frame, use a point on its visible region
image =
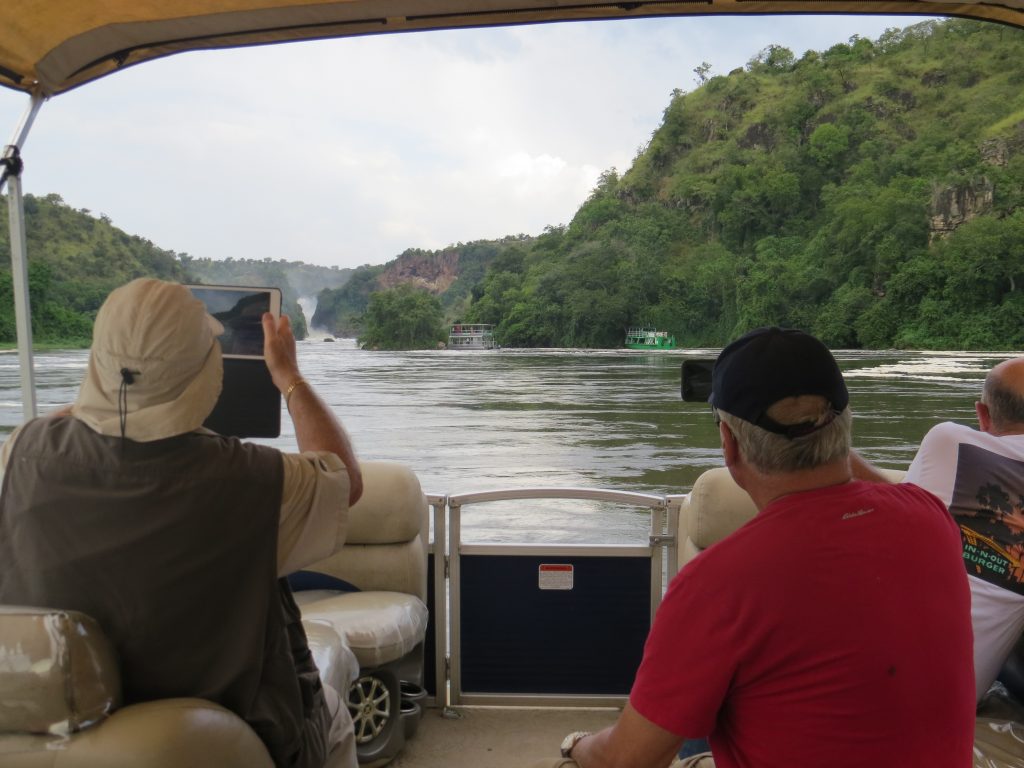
(834, 628)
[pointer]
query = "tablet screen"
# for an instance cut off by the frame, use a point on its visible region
(249, 404)
(240, 310)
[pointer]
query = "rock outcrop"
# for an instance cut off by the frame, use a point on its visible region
(433, 271)
(952, 206)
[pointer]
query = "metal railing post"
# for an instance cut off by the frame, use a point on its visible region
(439, 504)
(455, 593)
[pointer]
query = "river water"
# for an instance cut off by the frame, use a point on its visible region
(470, 421)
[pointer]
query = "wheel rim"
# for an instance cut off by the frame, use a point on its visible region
(369, 701)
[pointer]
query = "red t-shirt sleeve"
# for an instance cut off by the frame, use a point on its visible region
(689, 658)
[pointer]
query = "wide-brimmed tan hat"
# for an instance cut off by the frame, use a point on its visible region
(163, 337)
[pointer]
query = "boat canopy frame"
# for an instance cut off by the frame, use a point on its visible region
(11, 166)
(48, 48)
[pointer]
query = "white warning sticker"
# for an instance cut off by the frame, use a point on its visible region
(554, 576)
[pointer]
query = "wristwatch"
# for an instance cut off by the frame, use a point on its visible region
(571, 740)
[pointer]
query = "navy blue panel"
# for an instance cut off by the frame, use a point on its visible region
(517, 638)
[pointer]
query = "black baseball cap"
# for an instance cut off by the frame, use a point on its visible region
(769, 364)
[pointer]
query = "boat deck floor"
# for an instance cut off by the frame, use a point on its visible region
(495, 737)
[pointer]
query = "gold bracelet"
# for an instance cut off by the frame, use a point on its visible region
(291, 388)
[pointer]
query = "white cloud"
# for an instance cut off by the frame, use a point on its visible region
(521, 165)
(348, 152)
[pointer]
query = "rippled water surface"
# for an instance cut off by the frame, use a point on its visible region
(468, 421)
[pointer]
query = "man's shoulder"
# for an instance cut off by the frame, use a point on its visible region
(945, 437)
(951, 430)
(204, 436)
(949, 436)
(35, 429)
(231, 450)
(901, 494)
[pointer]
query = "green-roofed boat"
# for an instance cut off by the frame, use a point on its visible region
(645, 337)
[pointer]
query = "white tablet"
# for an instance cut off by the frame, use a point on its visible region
(240, 310)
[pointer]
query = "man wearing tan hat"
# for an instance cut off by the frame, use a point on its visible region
(833, 629)
(175, 538)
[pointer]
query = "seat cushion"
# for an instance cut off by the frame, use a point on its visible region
(169, 733)
(379, 627)
(58, 671)
(392, 509)
(716, 508)
(999, 730)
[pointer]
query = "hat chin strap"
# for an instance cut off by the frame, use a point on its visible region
(127, 377)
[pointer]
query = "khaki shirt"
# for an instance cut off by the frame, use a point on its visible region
(314, 506)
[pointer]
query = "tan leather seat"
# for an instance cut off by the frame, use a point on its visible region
(711, 511)
(60, 690)
(385, 622)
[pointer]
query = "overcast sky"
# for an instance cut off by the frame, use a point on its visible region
(348, 152)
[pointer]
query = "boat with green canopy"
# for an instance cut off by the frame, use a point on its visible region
(646, 337)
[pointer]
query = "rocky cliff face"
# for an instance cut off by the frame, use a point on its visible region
(432, 271)
(952, 206)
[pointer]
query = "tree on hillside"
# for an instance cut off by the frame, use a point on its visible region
(75, 260)
(403, 318)
(52, 321)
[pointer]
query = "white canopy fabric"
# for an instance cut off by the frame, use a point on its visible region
(50, 46)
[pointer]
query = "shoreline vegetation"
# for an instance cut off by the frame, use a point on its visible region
(871, 194)
(47, 346)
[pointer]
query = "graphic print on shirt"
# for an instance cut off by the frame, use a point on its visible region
(988, 505)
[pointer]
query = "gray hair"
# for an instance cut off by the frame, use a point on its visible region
(1005, 407)
(771, 453)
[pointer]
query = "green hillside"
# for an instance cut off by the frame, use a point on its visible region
(870, 193)
(76, 259)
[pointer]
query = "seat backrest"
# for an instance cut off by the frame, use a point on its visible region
(386, 541)
(713, 509)
(716, 507)
(58, 671)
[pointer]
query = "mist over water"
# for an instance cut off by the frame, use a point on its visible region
(470, 421)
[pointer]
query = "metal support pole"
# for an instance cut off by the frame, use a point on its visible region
(22, 307)
(11, 173)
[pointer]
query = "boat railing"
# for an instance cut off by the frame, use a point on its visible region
(471, 329)
(544, 624)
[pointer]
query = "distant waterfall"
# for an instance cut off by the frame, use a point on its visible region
(308, 304)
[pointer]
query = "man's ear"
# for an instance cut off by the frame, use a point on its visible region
(984, 417)
(730, 446)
